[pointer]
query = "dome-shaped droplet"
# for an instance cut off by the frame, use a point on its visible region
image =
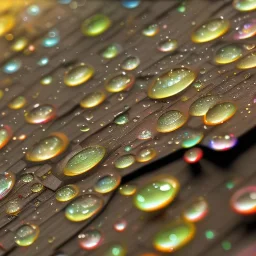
(171, 83)
(78, 74)
(114, 250)
(111, 51)
(151, 30)
(127, 190)
(7, 23)
(228, 54)
(7, 181)
(96, 25)
(17, 103)
(51, 39)
(244, 200)
(120, 225)
(93, 99)
(27, 177)
(156, 194)
(219, 113)
(222, 143)
(43, 61)
(191, 139)
(174, 236)
(46, 80)
(210, 30)
(37, 187)
(244, 5)
(145, 155)
(26, 234)
(13, 207)
(90, 240)
(168, 45)
(193, 155)
(121, 119)
(47, 148)
(202, 105)
(247, 30)
(196, 211)
(124, 161)
(5, 135)
(83, 207)
(131, 63)
(119, 82)
(19, 44)
(84, 160)
(130, 4)
(66, 193)
(107, 183)
(247, 62)
(170, 121)
(12, 66)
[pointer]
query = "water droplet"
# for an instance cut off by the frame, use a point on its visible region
(174, 236)
(145, 135)
(78, 74)
(41, 114)
(168, 45)
(27, 177)
(5, 135)
(7, 181)
(107, 184)
(210, 30)
(96, 25)
(228, 54)
(17, 103)
(37, 187)
(114, 250)
(244, 5)
(244, 200)
(120, 225)
(93, 99)
(249, 61)
(146, 155)
(219, 113)
(196, 211)
(33, 10)
(83, 207)
(127, 190)
(43, 61)
(202, 105)
(222, 143)
(19, 44)
(84, 160)
(130, 63)
(193, 155)
(191, 139)
(120, 82)
(46, 80)
(124, 161)
(12, 66)
(156, 194)
(51, 39)
(151, 30)
(171, 83)
(130, 4)
(7, 23)
(170, 121)
(90, 239)
(111, 51)
(247, 30)
(121, 119)
(13, 207)
(26, 235)
(67, 193)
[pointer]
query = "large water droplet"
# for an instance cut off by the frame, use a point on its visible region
(5, 135)
(247, 30)
(13, 207)
(222, 143)
(107, 184)
(228, 54)
(67, 193)
(93, 99)
(26, 235)
(247, 62)
(196, 211)
(119, 82)
(124, 161)
(90, 239)
(244, 5)
(7, 181)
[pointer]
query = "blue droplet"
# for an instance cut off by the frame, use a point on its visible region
(51, 39)
(12, 66)
(43, 61)
(130, 4)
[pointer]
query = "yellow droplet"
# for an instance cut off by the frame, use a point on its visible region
(7, 23)
(67, 193)
(26, 235)
(119, 82)
(244, 5)
(249, 61)
(17, 103)
(93, 99)
(124, 161)
(19, 44)
(228, 54)
(146, 155)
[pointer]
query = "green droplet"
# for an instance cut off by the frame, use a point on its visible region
(209, 234)
(127, 148)
(245, 5)
(121, 119)
(119, 82)
(202, 105)
(17, 103)
(66, 193)
(83, 207)
(171, 83)
(131, 63)
(210, 30)
(168, 45)
(93, 99)
(190, 140)
(78, 74)
(84, 160)
(174, 236)
(37, 187)
(247, 62)
(228, 54)
(226, 245)
(26, 235)
(156, 194)
(124, 161)
(107, 184)
(151, 30)
(170, 121)
(115, 250)
(111, 51)
(127, 190)
(146, 155)
(219, 113)
(7, 181)
(96, 25)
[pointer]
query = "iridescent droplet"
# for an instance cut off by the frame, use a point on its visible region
(174, 236)
(121, 119)
(93, 99)
(90, 240)
(219, 113)
(145, 135)
(17, 103)
(130, 4)
(228, 54)
(196, 211)
(51, 39)
(168, 45)
(170, 121)
(66, 193)
(13, 207)
(84, 160)
(145, 155)
(247, 30)
(83, 207)
(26, 235)
(244, 5)
(96, 25)
(247, 62)
(191, 139)
(124, 161)
(244, 200)
(7, 23)
(19, 44)
(202, 105)
(171, 83)
(78, 74)
(12, 66)
(37, 187)
(210, 30)
(193, 155)
(7, 181)
(156, 194)
(151, 30)
(107, 184)
(222, 143)
(120, 225)
(41, 114)
(111, 51)
(5, 135)
(127, 190)
(130, 63)
(120, 82)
